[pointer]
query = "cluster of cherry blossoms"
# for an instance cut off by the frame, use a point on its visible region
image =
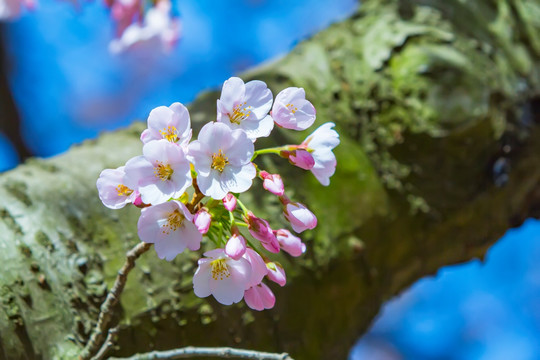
(138, 23)
(188, 190)
(13, 9)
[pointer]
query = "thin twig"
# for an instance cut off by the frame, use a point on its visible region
(221, 352)
(197, 196)
(106, 311)
(107, 345)
(97, 346)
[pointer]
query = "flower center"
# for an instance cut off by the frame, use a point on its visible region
(219, 161)
(163, 171)
(240, 112)
(220, 269)
(170, 134)
(174, 221)
(123, 190)
(292, 108)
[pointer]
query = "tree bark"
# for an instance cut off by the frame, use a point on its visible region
(436, 103)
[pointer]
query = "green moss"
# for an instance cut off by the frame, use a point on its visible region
(10, 222)
(44, 240)
(19, 191)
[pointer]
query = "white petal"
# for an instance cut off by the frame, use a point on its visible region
(181, 120)
(215, 136)
(258, 128)
(201, 280)
(238, 179)
(232, 93)
(157, 151)
(324, 137)
(138, 169)
(240, 150)
(211, 185)
(191, 236)
(170, 247)
(259, 97)
(160, 118)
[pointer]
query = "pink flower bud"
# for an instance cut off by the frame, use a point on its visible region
(229, 201)
(299, 216)
(276, 273)
(272, 183)
(290, 243)
(302, 159)
(260, 230)
(202, 221)
(260, 297)
(236, 246)
(137, 201)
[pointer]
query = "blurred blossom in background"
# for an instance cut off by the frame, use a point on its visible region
(68, 86)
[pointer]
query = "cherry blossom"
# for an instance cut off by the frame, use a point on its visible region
(301, 158)
(162, 173)
(272, 183)
(276, 273)
(291, 110)
(112, 191)
(222, 160)
(158, 31)
(12, 9)
(246, 106)
(298, 215)
(236, 246)
(222, 277)
(258, 266)
(290, 243)
(261, 230)
(260, 297)
(202, 220)
(170, 123)
(169, 226)
(124, 12)
(229, 202)
(321, 143)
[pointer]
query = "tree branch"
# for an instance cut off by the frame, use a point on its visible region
(421, 124)
(107, 345)
(194, 352)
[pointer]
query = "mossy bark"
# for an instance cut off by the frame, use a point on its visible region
(436, 103)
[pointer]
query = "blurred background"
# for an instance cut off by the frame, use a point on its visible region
(61, 85)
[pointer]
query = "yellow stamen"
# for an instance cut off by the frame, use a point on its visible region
(174, 221)
(219, 161)
(292, 108)
(123, 190)
(163, 171)
(220, 269)
(240, 112)
(170, 133)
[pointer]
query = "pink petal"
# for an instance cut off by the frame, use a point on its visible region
(276, 273)
(236, 247)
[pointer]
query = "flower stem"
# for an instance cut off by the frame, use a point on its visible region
(244, 208)
(274, 150)
(231, 217)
